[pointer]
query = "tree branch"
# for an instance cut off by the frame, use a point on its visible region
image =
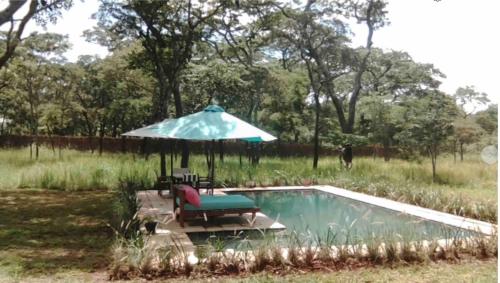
(9, 51)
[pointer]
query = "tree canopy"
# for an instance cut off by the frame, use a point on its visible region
(289, 68)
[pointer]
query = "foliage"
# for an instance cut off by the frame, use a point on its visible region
(127, 208)
(468, 97)
(392, 250)
(13, 27)
(429, 124)
(488, 119)
(286, 68)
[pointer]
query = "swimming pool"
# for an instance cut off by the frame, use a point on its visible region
(313, 213)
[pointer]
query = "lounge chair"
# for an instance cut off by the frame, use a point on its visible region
(213, 205)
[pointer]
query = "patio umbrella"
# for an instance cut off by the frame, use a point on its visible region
(211, 124)
(148, 132)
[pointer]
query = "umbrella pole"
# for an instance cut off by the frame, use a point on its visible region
(171, 158)
(163, 163)
(212, 157)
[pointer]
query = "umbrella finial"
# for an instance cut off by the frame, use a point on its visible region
(213, 108)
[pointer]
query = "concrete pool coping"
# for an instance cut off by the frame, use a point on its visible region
(425, 213)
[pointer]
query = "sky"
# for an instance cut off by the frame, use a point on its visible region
(459, 37)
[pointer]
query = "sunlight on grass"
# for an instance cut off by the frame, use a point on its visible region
(465, 188)
(47, 232)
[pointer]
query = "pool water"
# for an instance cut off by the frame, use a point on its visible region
(313, 214)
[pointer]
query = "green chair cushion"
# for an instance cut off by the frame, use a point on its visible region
(221, 202)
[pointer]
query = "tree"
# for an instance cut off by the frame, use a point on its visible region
(429, 124)
(488, 119)
(284, 109)
(168, 31)
(42, 10)
(466, 131)
(87, 93)
(384, 118)
(315, 42)
(33, 68)
(396, 75)
(320, 36)
(391, 77)
(468, 97)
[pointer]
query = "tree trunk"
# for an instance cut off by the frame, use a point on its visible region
(2, 125)
(185, 154)
(315, 88)
(178, 114)
(316, 131)
(114, 131)
(433, 153)
(163, 162)
(101, 138)
(160, 101)
(455, 151)
(206, 153)
(387, 156)
(60, 145)
(123, 144)
(37, 150)
(241, 153)
(461, 151)
(255, 153)
(144, 146)
(51, 138)
(221, 151)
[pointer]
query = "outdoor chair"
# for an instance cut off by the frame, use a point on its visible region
(205, 183)
(211, 205)
(178, 174)
(162, 184)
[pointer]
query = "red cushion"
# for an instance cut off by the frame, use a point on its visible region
(192, 195)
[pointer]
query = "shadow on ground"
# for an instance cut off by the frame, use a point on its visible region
(45, 232)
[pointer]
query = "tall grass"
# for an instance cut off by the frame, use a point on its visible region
(140, 259)
(465, 188)
(74, 171)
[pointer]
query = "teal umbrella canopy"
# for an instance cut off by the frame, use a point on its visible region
(213, 123)
(148, 131)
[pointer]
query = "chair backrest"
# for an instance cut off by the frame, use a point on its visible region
(179, 172)
(191, 178)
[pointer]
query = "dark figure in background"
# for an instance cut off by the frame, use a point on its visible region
(346, 155)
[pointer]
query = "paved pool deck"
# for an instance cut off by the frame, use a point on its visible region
(160, 209)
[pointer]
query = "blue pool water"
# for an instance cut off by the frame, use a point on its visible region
(313, 214)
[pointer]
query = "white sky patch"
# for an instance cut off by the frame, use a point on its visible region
(457, 36)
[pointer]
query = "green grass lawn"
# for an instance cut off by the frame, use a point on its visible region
(54, 212)
(81, 170)
(474, 271)
(49, 232)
